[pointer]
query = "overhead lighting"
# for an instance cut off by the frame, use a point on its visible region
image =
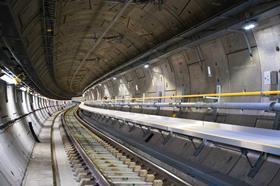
(23, 89)
(8, 79)
(100, 84)
(146, 66)
(249, 25)
(49, 30)
(114, 78)
(209, 71)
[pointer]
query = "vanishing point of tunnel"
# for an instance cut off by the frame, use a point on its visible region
(139, 92)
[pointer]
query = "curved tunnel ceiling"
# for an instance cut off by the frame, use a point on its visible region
(58, 35)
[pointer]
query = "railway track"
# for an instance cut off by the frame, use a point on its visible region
(96, 160)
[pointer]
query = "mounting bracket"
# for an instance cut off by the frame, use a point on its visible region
(167, 137)
(113, 120)
(198, 148)
(255, 167)
(98, 116)
(121, 123)
(131, 127)
(276, 122)
(145, 131)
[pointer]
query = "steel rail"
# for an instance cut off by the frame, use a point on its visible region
(101, 134)
(87, 155)
(96, 173)
(239, 136)
(142, 149)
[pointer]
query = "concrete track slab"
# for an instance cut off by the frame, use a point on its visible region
(65, 174)
(263, 140)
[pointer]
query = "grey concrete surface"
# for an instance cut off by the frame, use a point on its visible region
(225, 163)
(65, 173)
(185, 72)
(16, 140)
(39, 170)
(239, 136)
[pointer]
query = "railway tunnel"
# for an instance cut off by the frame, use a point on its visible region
(139, 92)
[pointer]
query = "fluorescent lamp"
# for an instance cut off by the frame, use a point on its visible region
(23, 89)
(249, 25)
(8, 79)
(209, 71)
(146, 66)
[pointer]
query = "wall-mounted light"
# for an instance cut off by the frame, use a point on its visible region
(22, 89)
(114, 78)
(8, 79)
(250, 25)
(209, 71)
(146, 66)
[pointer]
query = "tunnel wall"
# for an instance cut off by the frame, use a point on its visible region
(223, 162)
(223, 62)
(17, 108)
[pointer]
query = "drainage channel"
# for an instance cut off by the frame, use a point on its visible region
(63, 172)
(107, 164)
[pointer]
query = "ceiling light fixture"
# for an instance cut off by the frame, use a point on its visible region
(8, 79)
(22, 89)
(146, 66)
(114, 78)
(249, 25)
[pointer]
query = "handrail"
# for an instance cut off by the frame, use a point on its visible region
(268, 106)
(230, 94)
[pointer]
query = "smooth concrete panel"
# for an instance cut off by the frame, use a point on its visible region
(16, 141)
(186, 72)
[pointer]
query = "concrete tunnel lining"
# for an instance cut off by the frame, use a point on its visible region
(160, 49)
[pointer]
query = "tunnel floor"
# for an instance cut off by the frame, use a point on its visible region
(48, 153)
(39, 170)
(73, 152)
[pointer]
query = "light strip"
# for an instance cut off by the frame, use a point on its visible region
(8, 79)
